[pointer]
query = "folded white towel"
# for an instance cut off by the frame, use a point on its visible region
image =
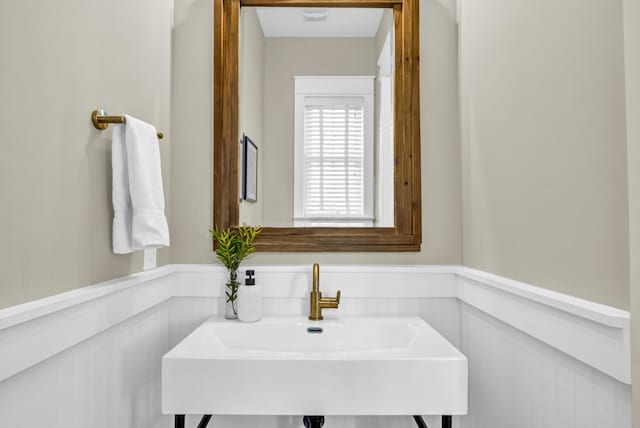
(120, 193)
(138, 197)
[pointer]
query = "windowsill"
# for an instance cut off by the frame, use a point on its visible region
(333, 222)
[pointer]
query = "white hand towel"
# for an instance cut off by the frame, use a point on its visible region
(120, 194)
(138, 197)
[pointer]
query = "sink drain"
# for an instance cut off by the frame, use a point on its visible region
(314, 330)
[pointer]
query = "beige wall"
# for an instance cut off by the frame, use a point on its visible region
(192, 128)
(632, 61)
(386, 23)
(191, 186)
(284, 59)
(250, 99)
(60, 60)
(544, 203)
(543, 141)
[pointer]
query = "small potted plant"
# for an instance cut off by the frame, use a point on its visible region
(232, 246)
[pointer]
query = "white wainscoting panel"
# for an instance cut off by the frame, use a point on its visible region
(94, 310)
(91, 357)
(517, 381)
(110, 380)
(595, 334)
(295, 281)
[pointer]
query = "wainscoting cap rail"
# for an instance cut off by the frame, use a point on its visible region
(603, 314)
(444, 269)
(595, 334)
(599, 313)
(37, 308)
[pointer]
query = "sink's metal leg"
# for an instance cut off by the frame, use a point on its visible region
(313, 421)
(204, 421)
(421, 423)
(179, 421)
(446, 421)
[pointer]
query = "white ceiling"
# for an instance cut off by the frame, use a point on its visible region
(339, 22)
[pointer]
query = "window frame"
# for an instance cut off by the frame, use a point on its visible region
(309, 87)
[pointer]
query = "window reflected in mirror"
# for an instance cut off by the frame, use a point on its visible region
(316, 99)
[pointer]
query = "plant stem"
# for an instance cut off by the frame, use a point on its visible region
(232, 285)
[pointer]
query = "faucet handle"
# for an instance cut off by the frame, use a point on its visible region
(335, 300)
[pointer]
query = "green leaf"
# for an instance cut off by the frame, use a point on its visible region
(234, 245)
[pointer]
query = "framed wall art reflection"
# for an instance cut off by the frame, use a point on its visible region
(249, 170)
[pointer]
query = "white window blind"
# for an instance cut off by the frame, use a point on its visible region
(334, 150)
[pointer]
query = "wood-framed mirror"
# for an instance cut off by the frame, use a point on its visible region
(404, 232)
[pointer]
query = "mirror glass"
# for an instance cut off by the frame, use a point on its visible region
(316, 117)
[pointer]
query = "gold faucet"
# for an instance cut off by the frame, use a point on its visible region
(318, 303)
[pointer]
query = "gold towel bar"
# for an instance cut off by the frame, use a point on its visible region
(101, 120)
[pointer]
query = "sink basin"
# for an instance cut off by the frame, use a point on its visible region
(292, 366)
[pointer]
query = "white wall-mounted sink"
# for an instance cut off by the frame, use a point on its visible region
(355, 366)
